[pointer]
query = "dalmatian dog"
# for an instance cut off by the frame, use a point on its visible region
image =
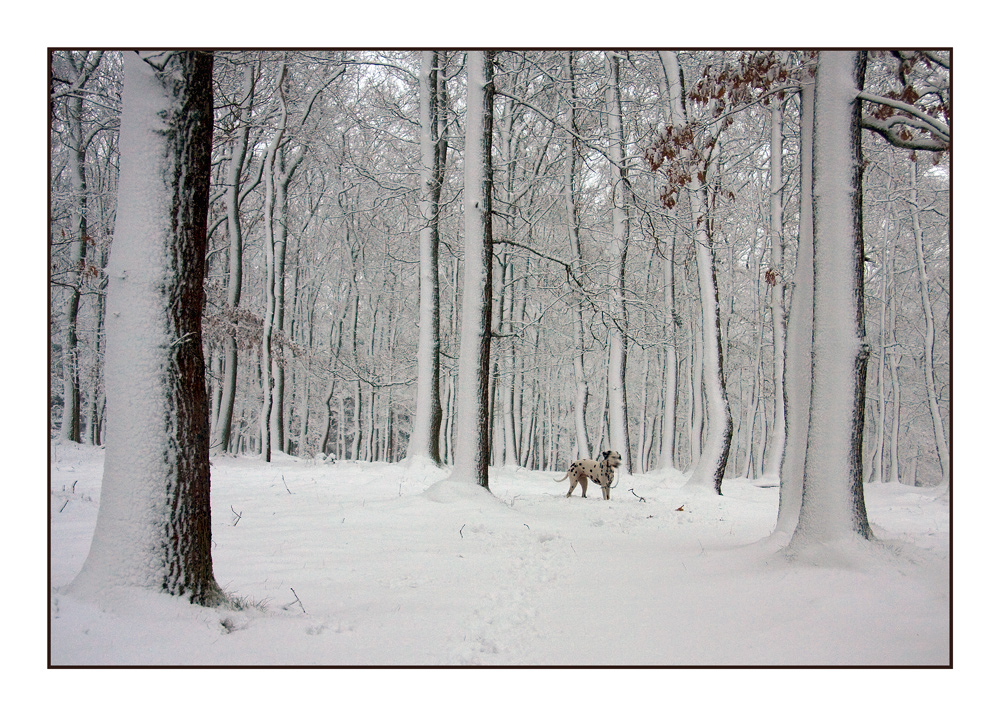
(601, 473)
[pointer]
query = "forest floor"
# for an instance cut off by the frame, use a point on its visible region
(383, 564)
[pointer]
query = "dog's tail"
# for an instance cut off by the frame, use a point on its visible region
(561, 478)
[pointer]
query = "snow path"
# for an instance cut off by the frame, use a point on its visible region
(362, 564)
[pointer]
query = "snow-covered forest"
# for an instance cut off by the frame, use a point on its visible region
(313, 265)
(733, 268)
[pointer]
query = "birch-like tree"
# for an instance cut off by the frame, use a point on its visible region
(154, 522)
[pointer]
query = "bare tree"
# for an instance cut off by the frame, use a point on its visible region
(154, 521)
(472, 450)
(425, 438)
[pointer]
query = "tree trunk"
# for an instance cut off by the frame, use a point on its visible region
(154, 522)
(425, 438)
(472, 450)
(711, 464)
(798, 364)
(267, 353)
(582, 450)
(776, 435)
(223, 424)
(618, 340)
(940, 441)
(833, 505)
(70, 428)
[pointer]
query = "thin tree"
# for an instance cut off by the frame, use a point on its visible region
(798, 363)
(154, 522)
(72, 90)
(775, 279)
(573, 223)
(234, 289)
(679, 142)
(425, 438)
(617, 339)
(940, 441)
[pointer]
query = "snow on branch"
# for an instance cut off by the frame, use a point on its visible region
(919, 119)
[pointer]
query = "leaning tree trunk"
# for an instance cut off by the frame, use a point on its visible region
(154, 522)
(833, 505)
(472, 450)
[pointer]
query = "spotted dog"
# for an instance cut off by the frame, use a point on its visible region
(601, 473)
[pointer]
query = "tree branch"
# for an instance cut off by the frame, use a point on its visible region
(940, 129)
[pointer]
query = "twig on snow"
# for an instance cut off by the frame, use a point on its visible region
(238, 515)
(299, 602)
(285, 484)
(641, 499)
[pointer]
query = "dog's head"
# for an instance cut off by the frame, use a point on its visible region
(614, 459)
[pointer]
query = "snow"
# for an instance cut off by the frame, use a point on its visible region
(136, 347)
(387, 564)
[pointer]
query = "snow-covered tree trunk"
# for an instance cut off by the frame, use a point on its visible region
(876, 471)
(582, 450)
(892, 475)
(940, 441)
(833, 506)
(798, 347)
(425, 438)
(472, 440)
(154, 522)
(511, 426)
(70, 428)
(711, 464)
(776, 279)
(267, 340)
(618, 432)
(77, 142)
(223, 424)
(280, 236)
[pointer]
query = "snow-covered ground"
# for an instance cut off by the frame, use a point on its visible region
(384, 564)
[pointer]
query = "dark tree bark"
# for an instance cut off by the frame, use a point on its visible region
(425, 439)
(472, 452)
(154, 523)
(833, 504)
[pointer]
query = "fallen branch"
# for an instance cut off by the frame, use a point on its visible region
(299, 602)
(238, 515)
(285, 484)
(641, 499)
